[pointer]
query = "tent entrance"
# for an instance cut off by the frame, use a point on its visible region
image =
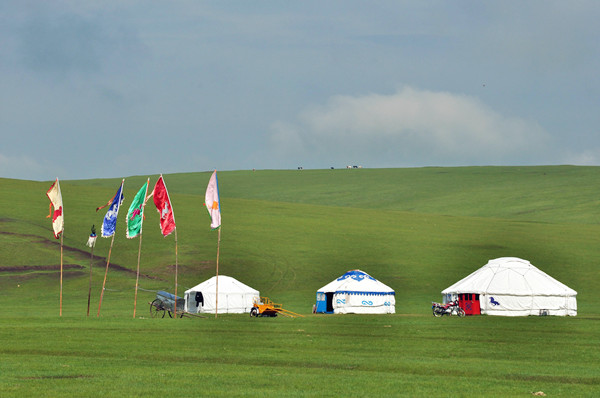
(329, 302)
(470, 303)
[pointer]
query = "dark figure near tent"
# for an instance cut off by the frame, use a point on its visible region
(199, 299)
(494, 302)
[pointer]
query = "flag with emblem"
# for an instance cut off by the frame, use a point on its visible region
(92, 239)
(163, 206)
(211, 200)
(135, 215)
(56, 203)
(109, 225)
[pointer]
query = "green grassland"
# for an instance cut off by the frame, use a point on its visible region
(287, 233)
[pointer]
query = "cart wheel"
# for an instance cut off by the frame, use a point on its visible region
(156, 309)
(253, 311)
(179, 314)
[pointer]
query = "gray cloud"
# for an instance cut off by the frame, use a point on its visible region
(68, 42)
(118, 88)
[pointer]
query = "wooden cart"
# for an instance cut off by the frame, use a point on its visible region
(164, 303)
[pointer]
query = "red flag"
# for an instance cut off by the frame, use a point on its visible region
(163, 206)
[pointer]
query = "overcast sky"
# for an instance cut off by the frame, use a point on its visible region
(119, 88)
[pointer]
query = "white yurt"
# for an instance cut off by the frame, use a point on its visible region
(511, 286)
(234, 296)
(356, 292)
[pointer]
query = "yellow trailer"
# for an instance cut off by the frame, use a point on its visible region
(266, 307)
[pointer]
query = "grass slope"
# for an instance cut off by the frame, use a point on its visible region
(287, 233)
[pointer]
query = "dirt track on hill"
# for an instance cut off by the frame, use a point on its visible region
(56, 267)
(18, 268)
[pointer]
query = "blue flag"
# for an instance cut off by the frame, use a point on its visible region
(109, 225)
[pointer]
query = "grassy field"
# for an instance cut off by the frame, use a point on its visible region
(287, 233)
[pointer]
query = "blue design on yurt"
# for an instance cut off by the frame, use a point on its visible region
(364, 293)
(356, 274)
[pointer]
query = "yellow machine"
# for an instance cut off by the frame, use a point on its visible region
(265, 307)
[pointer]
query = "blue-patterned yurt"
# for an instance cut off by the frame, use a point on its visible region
(356, 292)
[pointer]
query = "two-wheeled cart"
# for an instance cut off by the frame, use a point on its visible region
(164, 303)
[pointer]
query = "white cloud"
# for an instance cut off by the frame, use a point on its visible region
(22, 167)
(416, 126)
(588, 157)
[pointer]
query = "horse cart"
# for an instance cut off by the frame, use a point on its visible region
(165, 303)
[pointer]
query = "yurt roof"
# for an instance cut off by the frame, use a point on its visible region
(510, 275)
(227, 284)
(356, 281)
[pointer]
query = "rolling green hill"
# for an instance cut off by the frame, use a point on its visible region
(287, 233)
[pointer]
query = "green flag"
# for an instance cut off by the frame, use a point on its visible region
(135, 215)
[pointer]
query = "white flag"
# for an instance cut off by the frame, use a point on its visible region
(58, 221)
(212, 202)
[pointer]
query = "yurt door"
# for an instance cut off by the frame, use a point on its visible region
(329, 300)
(470, 303)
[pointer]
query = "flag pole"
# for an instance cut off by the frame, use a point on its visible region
(176, 265)
(212, 203)
(105, 273)
(137, 277)
(90, 284)
(217, 287)
(61, 272)
(119, 200)
(58, 227)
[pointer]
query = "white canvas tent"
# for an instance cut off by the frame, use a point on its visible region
(356, 292)
(511, 286)
(234, 296)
